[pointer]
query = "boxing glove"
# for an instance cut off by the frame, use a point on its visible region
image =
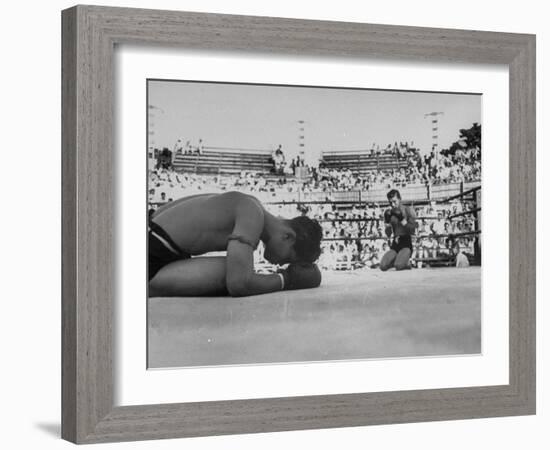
(397, 213)
(301, 276)
(387, 216)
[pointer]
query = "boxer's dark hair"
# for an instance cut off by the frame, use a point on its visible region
(308, 238)
(393, 193)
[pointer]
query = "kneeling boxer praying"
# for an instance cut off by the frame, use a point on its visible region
(400, 222)
(181, 231)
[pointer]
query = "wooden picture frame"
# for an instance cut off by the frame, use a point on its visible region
(89, 34)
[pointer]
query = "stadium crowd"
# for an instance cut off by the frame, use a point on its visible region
(464, 165)
(354, 235)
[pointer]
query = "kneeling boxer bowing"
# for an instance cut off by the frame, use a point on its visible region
(400, 221)
(235, 222)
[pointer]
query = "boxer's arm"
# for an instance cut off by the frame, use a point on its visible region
(240, 277)
(410, 220)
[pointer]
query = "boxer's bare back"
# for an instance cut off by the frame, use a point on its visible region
(202, 223)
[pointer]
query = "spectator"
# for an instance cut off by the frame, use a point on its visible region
(460, 258)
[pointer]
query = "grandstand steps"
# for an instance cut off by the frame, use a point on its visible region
(207, 164)
(362, 163)
(230, 161)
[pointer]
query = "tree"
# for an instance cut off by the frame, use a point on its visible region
(469, 139)
(472, 136)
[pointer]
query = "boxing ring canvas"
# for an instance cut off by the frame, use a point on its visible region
(363, 313)
(356, 316)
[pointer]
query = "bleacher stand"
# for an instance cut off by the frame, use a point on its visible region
(223, 160)
(361, 162)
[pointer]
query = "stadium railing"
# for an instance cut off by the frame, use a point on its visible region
(410, 193)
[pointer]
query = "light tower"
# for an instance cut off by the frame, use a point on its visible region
(301, 137)
(151, 116)
(435, 129)
(151, 137)
(301, 171)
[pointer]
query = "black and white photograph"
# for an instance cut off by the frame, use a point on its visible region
(293, 224)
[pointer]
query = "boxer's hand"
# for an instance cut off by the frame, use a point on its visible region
(387, 216)
(397, 213)
(301, 276)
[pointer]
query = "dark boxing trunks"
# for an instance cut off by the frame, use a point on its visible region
(402, 242)
(162, 250)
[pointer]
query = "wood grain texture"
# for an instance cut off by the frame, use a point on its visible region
(523, 224)
(87, 155)
(89, 36)
(68, 224)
